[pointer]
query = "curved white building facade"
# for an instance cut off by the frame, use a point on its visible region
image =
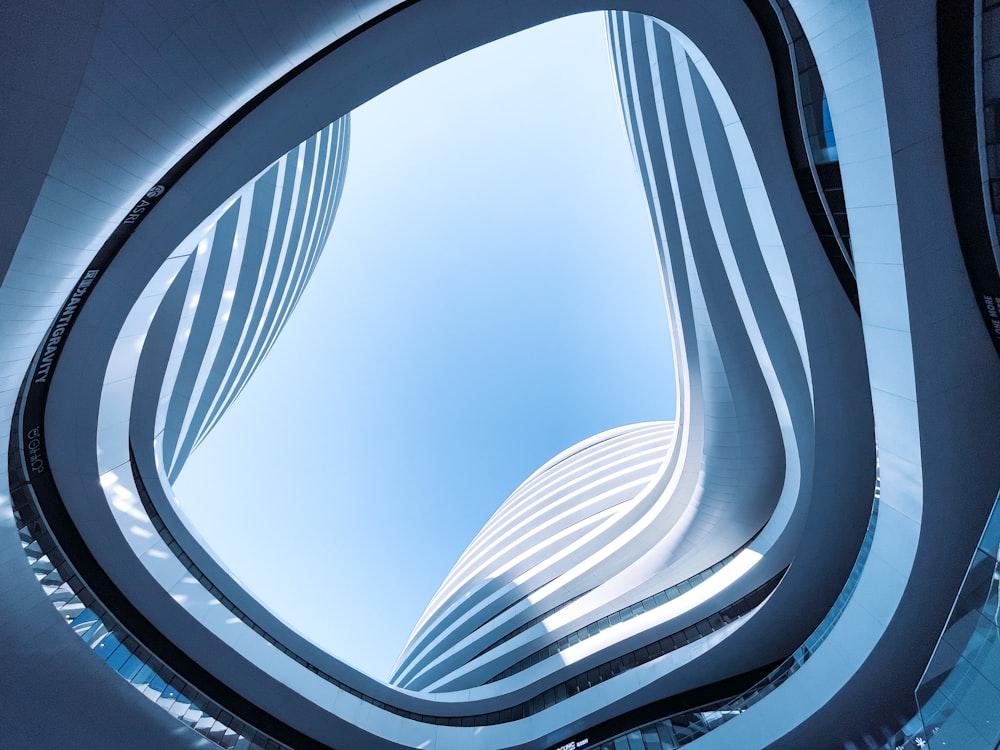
(819, 186)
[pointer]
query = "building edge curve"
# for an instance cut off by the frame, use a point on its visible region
(913, 361)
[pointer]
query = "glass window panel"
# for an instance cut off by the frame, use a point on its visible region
(166, 700)
(228, 738)
(205, 723)
(216, 732)
(193, 714)
(666, 734)
(91, 633)
(130, 668)
(156, 681)
(85, 617)
(117, 659)
(107, 647)
(181, 706)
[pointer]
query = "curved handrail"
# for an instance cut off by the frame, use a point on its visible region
(679, 729)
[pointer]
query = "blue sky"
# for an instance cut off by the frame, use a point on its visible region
(490, 296)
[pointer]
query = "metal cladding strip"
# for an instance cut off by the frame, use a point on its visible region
(572, 475)
(244, 360)
(721, 249)
(153, 363)
(566, 513)
(622, 615)
(905, 244)
(335, 165)
(920, 338)
(632, 51)
(965, 136)
(195, 345)
(116, 646)
(676, 729)
(36, 466)
(313, 240)
(226, 311)
(36, 496)
(536, 518)
(697, 246)
(800, 87)
(27, 508)
(312, 147)
(235, 316)
(49, 353)
(531, 708)
(280, 262)
(226, 236)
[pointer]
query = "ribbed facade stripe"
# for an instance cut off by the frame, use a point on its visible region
(251, 266)
(562, 503)
(817, 175)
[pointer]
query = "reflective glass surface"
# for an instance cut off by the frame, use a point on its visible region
(681, 728)
(959, 694)
(123, 653)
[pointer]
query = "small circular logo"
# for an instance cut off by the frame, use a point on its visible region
(156, 192)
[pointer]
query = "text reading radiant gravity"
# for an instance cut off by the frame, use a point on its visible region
(65, 318)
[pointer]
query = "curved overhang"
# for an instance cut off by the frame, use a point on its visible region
(921, 340)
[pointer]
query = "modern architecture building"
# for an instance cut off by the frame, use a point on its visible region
(805, 558)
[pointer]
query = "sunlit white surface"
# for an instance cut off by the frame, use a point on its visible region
(489, 297)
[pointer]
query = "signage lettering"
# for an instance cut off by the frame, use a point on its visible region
(992, 310)
(137, 211)
(64, 319)
(34, 446)
(143, 205)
